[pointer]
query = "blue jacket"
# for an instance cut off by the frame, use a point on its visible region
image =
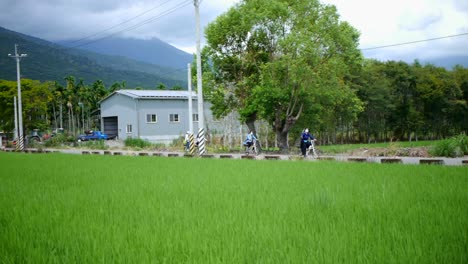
(306, 136)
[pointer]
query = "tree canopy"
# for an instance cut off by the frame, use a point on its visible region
(276, 59)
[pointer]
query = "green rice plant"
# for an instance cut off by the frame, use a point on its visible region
(63, 208)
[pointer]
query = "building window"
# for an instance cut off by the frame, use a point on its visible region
(151, 118)
(129, 129)
(195, 117)
(174, 118)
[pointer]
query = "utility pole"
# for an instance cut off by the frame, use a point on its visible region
(189, 88)
(82, 114)
(18, 57)
(15, 137)
(201, 118)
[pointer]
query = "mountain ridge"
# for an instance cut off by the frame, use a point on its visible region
(48, 61)
(153, 51)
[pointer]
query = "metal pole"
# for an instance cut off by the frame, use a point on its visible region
(82, 115)
(201, 119)
(190, 110)
(20, 107)
(15, 135)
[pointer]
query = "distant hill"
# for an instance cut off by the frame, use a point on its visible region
(49, 61)
(152, 51)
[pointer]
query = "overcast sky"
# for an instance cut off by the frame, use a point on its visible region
(380, 22)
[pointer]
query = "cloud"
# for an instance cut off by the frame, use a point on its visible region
(380, 22)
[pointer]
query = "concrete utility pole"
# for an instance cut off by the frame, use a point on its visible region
(18, 57)
(190, 110)
(201, 118)
(15, 135)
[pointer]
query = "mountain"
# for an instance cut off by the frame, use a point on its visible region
(153, 51)
(49, 61)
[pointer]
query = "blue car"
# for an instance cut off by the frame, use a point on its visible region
(93, 135)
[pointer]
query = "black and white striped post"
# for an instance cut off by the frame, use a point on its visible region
(192, 144)
(201, 141)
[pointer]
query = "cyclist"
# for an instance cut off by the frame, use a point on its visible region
(249, 140)
(306, 141)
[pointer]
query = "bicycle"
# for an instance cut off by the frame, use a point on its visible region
(312, 148)
(251, 148)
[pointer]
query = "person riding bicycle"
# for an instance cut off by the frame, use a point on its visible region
(306, 141)
(249, 140)
(187, 141)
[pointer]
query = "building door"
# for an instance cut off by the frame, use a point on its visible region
(111, 126)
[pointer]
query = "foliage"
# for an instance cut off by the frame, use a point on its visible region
(408, 102)
(91, 209)
(273, 59)
(94, 144)
(59, 140)
(452, 147)
(136, 143)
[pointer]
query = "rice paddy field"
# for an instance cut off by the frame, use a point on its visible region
(63, 208)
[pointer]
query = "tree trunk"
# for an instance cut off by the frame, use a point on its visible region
(282, 140)
(250, 123)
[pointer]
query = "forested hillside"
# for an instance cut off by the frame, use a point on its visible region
(50, 62)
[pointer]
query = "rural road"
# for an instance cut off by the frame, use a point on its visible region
(462, 161)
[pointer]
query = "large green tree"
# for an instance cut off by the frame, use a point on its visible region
(276, 58)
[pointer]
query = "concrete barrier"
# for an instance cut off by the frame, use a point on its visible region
(326, 158)
(357, 159)
(391, 160)
(431, 161)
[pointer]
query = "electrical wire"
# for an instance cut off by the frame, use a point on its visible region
(169, 11)
(416, 41)
(121, 23)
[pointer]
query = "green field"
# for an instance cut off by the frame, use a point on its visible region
(59, 208)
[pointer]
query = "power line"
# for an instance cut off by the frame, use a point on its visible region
(121, 23)
(169, 11)
(416, 41)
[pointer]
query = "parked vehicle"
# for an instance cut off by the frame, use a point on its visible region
(92, 135)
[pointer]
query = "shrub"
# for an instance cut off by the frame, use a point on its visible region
(95, 144)
(57, 140)
(453, 147)
(137, 143)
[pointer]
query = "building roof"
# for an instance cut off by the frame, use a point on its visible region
(156, 94)
(153, 94)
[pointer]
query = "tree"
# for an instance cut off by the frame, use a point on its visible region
(275, 58)
(177, 88)
(161, 86)
(373, 89)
